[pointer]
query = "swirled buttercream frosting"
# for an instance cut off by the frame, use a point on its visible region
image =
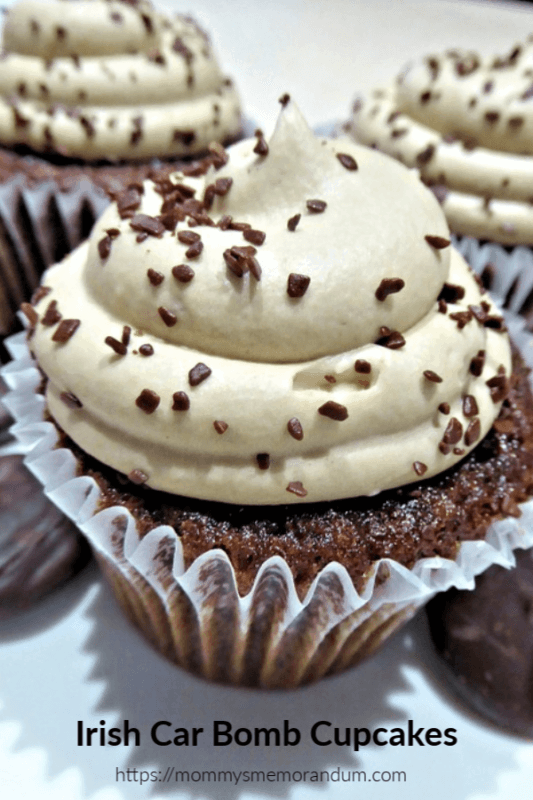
(466, 122)
(290, 326)
(110, 80)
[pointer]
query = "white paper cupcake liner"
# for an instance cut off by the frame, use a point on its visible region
(39, 224)
(196, 618)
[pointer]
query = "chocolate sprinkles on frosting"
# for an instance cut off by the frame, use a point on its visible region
(148, 401)
(296, 487)
(180, 401)
(168, 317)
(438, 242)
(183, 273)
(431, 376)
(263, 460)
(297, 285)
(293, 222)
(389, 286)
(65, 330)
(316, 206)
(334, 411)
(118, 347)
(347, 161)
(419, 467)
(295, 429)
(220, 426)
(198, 374)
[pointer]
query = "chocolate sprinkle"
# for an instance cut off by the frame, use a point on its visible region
(295, 429)
(362, 366)
(284, 99)
(65, 329)
(438, 242)
(444, 408)
(296, 487)
(432, 376)
(148, 401)
(168, 317)
(126, 333)
(183, 273)
(104, 247)
(155, 278)
(389, 286)
(347, 161)
(472, 432)
(194, 250)
(198, 374)
(220, 426)
(254, 236)
(146, 350)
(499, 388)
(470, 408)
(180, 401)
(39, 294)
(263, 460)
(70, 400)
(51, 315)
(419, 467)
(477, 364)
(451, 293)
(453, 432)
(149, 225)
(188, 237)
(261, 148)
(293, 222)
(393, 340)
(297, 285)
(334, 411)
(137, 476)
(119, 348)
(316, 206)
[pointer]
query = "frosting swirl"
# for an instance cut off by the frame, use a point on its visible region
(466, 123)
(110, 79)
(290, 326)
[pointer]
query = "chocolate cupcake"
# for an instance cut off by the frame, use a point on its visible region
(284, 405)
(91, 92)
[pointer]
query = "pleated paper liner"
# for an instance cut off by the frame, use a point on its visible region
(39, 225)
(196, 618)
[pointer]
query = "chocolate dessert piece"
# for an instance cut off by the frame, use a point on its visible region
(39, 547)
(485, 640)
(424, 519)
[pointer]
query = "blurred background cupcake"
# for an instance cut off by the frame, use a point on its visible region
(94, 95)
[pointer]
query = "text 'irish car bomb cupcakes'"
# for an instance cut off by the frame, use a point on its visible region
(466, 122)
(275, 375)
(91, 92)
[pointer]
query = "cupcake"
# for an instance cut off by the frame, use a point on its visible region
(91, 92)
(280, 405)
(465, 121)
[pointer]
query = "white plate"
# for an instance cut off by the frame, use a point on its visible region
(75, 658)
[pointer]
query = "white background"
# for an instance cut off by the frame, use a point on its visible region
(74, 657)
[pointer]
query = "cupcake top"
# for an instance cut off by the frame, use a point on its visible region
(110, 80)
(467, 123)
(292, 325)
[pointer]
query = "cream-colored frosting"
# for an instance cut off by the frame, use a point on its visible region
(105, 79)
(274, 358)
(467, 123)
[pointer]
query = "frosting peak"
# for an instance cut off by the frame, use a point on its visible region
(321, 341)
(110, 79)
